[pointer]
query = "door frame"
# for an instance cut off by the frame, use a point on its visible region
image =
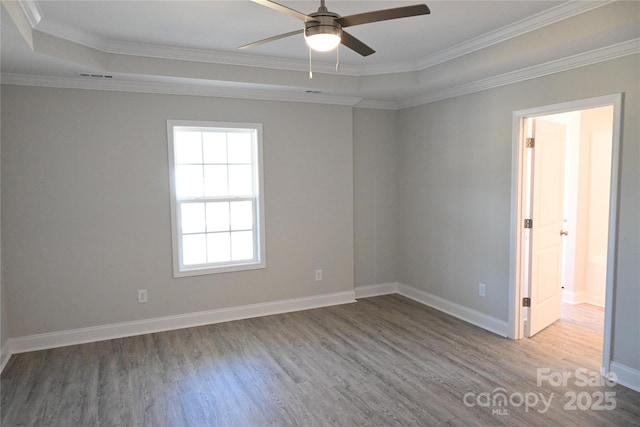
(517, 235)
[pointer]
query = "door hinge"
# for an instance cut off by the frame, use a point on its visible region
(526, 302)
(531, 142)
(528, 223)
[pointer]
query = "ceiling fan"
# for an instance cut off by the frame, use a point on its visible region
(323, 30)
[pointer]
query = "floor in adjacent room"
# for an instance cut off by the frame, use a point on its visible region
(381, 361)
(586, 316)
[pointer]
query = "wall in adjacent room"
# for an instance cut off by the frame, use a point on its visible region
(86, 213)
(593, 213)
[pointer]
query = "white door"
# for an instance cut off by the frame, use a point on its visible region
(547, 192)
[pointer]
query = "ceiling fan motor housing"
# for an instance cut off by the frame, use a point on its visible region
(324, 22)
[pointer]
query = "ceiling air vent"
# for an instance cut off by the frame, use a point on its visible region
(95, 76)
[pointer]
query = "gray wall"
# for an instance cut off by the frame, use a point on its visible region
(454, 180)
(375, 196)
(86, 218)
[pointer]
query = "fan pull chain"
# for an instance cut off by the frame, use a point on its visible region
(338, 58)
(310, 71)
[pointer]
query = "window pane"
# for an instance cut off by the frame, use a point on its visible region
(218, 216)
(192, 218)
(240, 147)
(242, 215)
(188, 147)
(189, 181)
(241, 245)
(214, 147)
(194, 249)
(215, 181)
(219, 247)
(240, 180)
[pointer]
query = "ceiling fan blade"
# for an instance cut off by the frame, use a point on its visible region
(284, 9)
(356, 45)
(270, 39)
(383, 15)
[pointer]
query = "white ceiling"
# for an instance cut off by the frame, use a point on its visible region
(192, 46)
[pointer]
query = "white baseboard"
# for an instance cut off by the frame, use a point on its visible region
(627, 376)
(571, 297)
(467, 314)
(597, 301)
(147, 326)
(368, 291)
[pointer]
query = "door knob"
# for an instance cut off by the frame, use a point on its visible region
(564, 233)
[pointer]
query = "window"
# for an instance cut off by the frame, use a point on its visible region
(216, 197)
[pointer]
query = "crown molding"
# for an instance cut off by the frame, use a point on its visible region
(31, 11)
(618, 50)
(561, 12)
(377, 105)
(52, 28)
(532, 23)
(177, 89)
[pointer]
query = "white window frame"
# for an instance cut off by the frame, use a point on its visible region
(259, 261)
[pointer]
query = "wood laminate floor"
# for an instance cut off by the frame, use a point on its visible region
(381, 361)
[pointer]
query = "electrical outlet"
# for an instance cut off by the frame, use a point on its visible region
(143, 297)
(318, 275)
(482, 288)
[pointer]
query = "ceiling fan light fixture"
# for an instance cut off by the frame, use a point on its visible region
(323, 38)
(323, 42)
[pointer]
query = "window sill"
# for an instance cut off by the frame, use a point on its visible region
(217, 270)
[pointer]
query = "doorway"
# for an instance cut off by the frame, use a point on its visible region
(563, 240)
